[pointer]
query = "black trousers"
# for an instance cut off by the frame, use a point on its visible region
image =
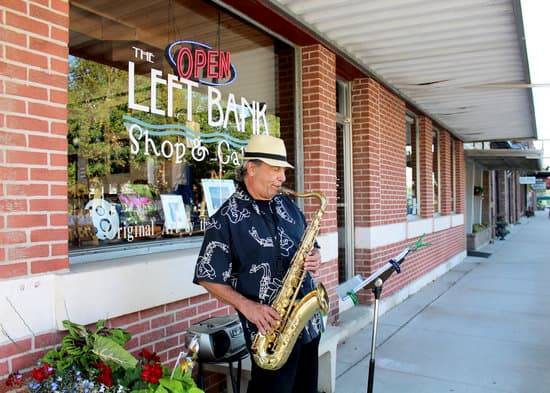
(298, 375)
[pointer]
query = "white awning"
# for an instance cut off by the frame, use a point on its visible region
(530, 160)
(463, 62)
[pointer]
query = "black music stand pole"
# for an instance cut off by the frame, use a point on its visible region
(377, 290)
(375, 282)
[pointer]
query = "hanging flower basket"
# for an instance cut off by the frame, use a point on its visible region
(478, 191)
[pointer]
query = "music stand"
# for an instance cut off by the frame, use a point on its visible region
(375, 282)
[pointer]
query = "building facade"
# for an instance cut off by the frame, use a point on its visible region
(500, 188)
(120, 125)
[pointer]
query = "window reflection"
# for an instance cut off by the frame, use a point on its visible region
(132, 144)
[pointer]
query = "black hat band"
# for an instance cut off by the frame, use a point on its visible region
(251, 154)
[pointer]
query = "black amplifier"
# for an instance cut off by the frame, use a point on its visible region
(219, 338)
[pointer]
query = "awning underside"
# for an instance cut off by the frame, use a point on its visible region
(460, 61)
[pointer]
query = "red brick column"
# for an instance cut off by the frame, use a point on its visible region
(378, 135)
(460, 177)
(520, 206)
(426, 162)
(365, 115)
(33, 146)
(514, 193)
(445, 166)
(319, 126)
(486, 202)
(379, 177)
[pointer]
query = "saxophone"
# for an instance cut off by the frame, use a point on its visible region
(271, 351)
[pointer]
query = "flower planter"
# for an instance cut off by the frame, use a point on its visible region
(474, 241)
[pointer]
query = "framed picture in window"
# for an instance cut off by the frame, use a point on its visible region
(175, 217)
(216, 192)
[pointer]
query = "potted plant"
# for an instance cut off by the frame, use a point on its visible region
(96, 362)
(478, 191)
(479, 237)
(501, 228)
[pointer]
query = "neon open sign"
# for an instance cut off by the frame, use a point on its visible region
(197, 61)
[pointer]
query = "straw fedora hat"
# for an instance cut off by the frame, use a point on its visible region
(268, 149)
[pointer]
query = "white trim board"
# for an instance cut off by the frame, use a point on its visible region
(329, 246)
(384, 235)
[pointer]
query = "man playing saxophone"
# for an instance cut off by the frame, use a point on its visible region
(247, 249)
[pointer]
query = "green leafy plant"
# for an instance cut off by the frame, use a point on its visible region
(501, 228)
(96, 362)
(82, 348)
(478, 228)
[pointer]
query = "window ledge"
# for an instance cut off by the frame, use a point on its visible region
(132, 250)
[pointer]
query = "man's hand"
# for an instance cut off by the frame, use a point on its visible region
(313, 261)
(263, 316)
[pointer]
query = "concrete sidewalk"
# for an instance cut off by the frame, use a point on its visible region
(483, 327)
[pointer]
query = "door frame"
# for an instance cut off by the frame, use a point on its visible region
(349, 229)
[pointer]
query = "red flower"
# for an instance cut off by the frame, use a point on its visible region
(149, 356)
(39, 374)
(42, 373)
(151, 373)
(105, 379)
(14, 380)
(105, 374)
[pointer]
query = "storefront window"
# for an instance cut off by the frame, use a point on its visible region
(163, 97)
(435, 169)
(411, 152)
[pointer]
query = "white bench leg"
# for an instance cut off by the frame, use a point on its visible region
(327, 371)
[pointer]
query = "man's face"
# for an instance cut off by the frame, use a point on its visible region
(263, 181)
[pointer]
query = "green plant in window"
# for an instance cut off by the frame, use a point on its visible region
(96, 135)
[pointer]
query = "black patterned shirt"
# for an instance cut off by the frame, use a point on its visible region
(249, 245)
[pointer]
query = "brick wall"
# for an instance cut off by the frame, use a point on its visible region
(444, 245)
(445, 167)
(319, 127)
(366, 132)
(515, 195)
(379, 131)
(33, 146)
(393, 202)
(486, 203)
(503, 205)
(378, 124)
(319, 140)
(460, 177)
